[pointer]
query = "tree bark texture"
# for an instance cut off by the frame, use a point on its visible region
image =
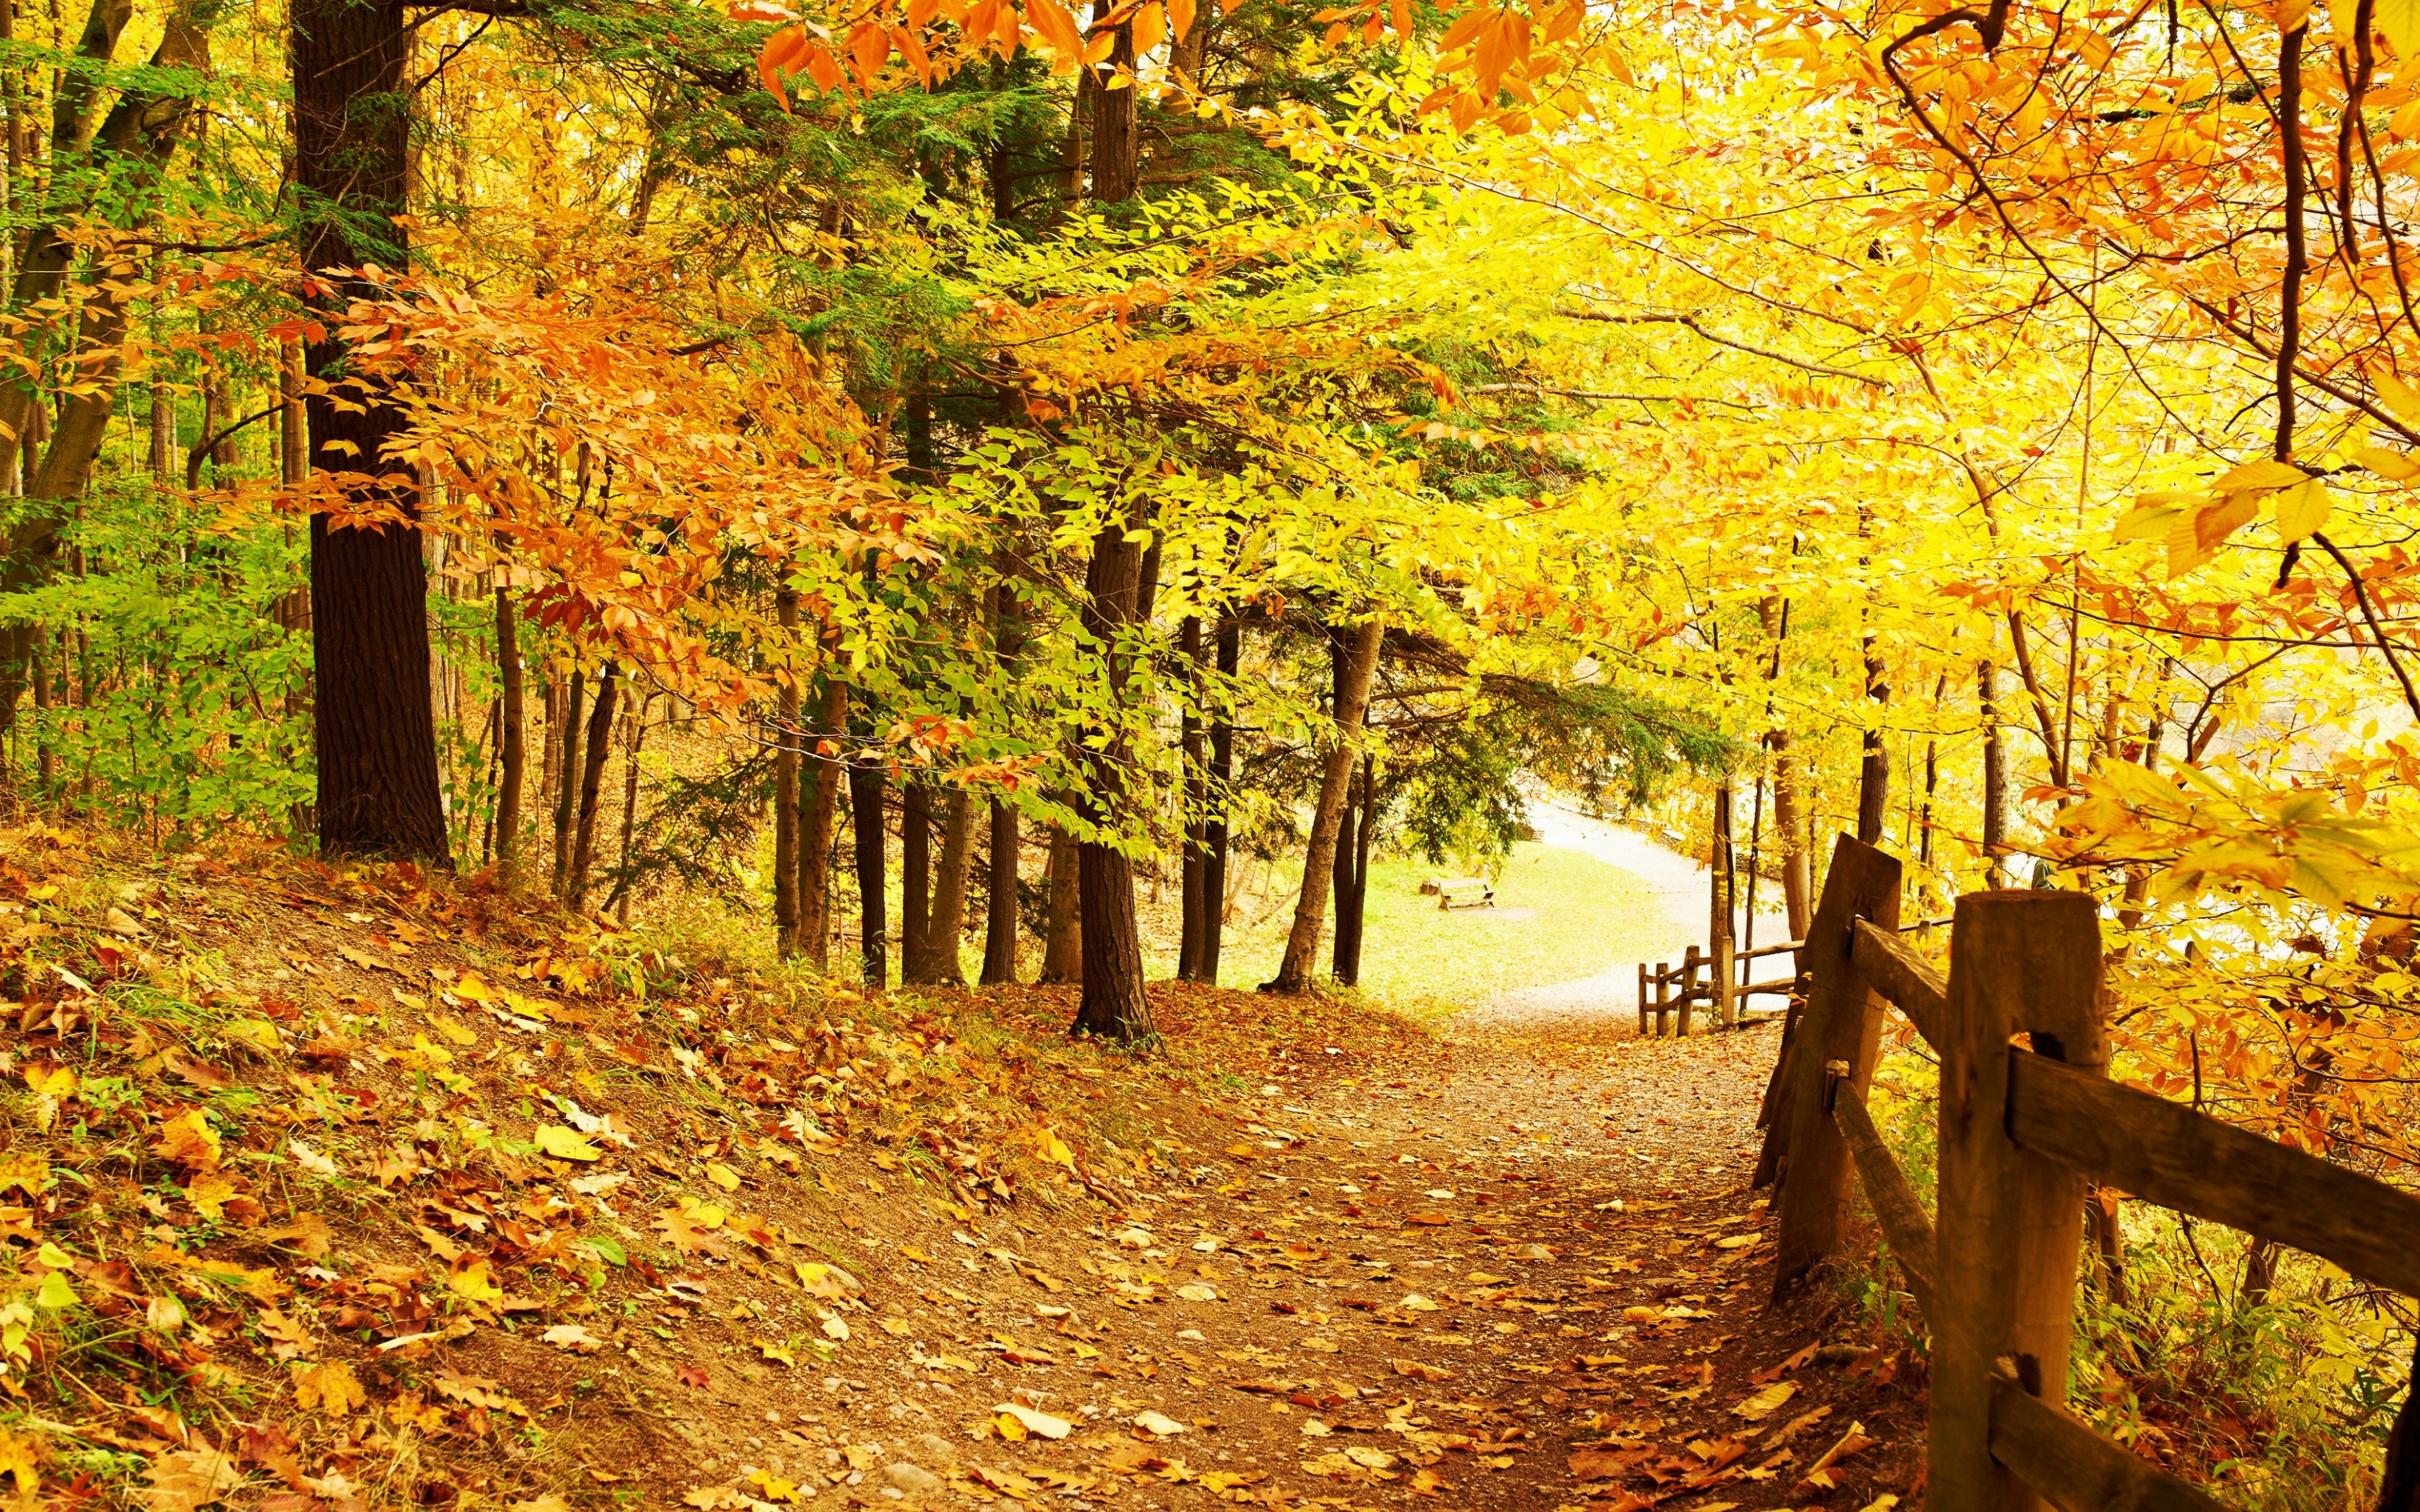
(915, 874)
(865, 815)
(512, 736)
(999, 913)
(592, 780)
(567, 780)
(1215, 837)
(1112, 1004)
(1189, 946)
(1062, 957)
(1353, 845)
(1352, 702)
(785, 781)
(945, 922)
(819, 803)
(1996, 776)
(1873, 769)
(377, 792)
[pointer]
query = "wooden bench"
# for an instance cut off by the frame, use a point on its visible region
(1468, 892)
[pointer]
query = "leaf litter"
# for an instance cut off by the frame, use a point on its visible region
(716, 1247)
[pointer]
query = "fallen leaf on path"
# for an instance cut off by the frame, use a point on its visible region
(1767, 1401)
(1035, 1421)
(183, 1480)
(1819, 1473)
(562, 1144)
(1157, 1424)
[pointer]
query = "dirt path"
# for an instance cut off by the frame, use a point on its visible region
(1478, 1270)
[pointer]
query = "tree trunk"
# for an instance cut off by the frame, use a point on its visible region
(1353, 873)
(567, 782)
(1788, 828)
(1000, 913)
(1721, 871)
(947, 919)
(592, 782)
(378, 791)
(1116, 164)
(915, 875)
(511, 742)
(1996, 776)
(293, 428)
(1873, 770)
(1062, 954)
(1222, 776)
(865, 815)
(1310, 906)
(786, 738)
(1112, 1004)
(819, 805)
(627, 870)
(1189, 946)
(1000, 908)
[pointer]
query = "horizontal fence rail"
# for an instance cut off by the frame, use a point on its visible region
(2022, 1133)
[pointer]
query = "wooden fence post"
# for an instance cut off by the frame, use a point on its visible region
(2010, 1222)
(1663, 979)
(1726, 984)
(1690, 987)
(1843, 1021)
(1642, 999)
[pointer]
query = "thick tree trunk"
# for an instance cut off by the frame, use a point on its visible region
(1188, 943)
(1310, 906)
(377, 735)
(1791, 830)
(787, 739)
(512, 736)
(865, 815)
(1873, 769)
(1063, 939)
(1353, 845)
(915, 874)
(939, 965)
(567, 780)
(819, 803)
(592, 780)
(1116, 164)
(1112, 1004)
(1222, 776)
(1000, 891)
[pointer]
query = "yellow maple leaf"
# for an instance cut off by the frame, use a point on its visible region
(329, 1387)
(474, 1281)
(190, 1141)
(722, 1176)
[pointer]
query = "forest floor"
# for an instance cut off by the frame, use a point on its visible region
(345, 1189)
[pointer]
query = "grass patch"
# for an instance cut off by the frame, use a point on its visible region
(1559, 915)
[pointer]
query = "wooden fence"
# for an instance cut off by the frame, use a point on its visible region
(2027, 1119)
(1725, 989)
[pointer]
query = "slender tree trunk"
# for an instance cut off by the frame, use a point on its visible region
(377, 792)
(566, 786)
(293, 428)
(787, 739)
(1311, 905)
(819, 803)
(1062, 952)
(865, 815)
(592, 780)
(947, 919)
(1873, 770)
(1996, 776)
(1353, 872)
(1222, 776)
(915, 875)
(1721, 871)
(1188, 944)
(625, 879)
(999, 912)
(513, 758)
(1112, 1005)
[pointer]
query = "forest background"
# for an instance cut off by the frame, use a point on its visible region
(659, 455)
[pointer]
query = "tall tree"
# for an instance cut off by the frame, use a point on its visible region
(1190, 866)
(786, 741)
(1117, 599)
(376, 733)
(819, 803)
(1354, 840)
(1222, 778)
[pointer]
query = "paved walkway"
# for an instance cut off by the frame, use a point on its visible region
(1678, 883)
